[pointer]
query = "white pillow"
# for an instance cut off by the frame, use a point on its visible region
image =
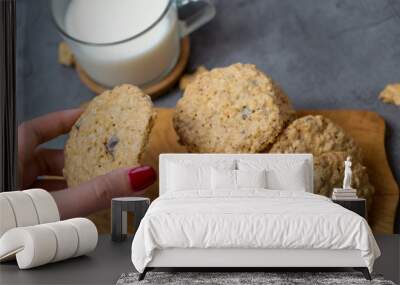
(235, 179)
(281, 174)
(223, 179)
(183, 177)
(193, 175)
(251, 178)
(293, 180)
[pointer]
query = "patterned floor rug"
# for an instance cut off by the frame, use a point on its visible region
(244, 278)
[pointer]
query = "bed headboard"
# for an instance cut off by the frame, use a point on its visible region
(205, 158)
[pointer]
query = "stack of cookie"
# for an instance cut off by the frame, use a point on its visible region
(330, 146)
(239, 109)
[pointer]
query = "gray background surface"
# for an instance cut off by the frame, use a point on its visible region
(325, 54)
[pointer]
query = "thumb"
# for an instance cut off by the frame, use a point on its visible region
(97, 193)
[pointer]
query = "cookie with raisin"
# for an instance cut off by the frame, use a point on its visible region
(111, 133)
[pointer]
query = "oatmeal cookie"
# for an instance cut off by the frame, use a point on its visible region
(111, 133)
(233, 109)
(329, 173)
(316, 135)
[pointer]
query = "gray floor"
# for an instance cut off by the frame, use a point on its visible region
(110, 260)
(325, 54)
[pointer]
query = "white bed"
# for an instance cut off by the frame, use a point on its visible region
(203, 221)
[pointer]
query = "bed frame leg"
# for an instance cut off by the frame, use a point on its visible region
(143, 274)
(364, 271)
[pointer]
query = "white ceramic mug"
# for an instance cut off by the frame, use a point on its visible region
(142, 58)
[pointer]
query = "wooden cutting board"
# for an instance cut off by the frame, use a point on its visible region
(367, 128)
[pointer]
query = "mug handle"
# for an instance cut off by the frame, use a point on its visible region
(198, 19)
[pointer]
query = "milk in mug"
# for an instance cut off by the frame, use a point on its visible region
(111, 57)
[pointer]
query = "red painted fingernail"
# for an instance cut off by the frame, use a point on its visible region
(141, 177)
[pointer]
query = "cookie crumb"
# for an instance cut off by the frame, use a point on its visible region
(391, 94)
(65, 56)
(188, 78)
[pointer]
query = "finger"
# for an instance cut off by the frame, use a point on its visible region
(96, 194)
(49, 161)
(47, 127)
(49, 184)
(43, 162)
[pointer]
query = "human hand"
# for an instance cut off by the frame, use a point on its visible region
(35, 161)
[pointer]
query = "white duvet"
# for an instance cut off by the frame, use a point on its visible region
(253, 218)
